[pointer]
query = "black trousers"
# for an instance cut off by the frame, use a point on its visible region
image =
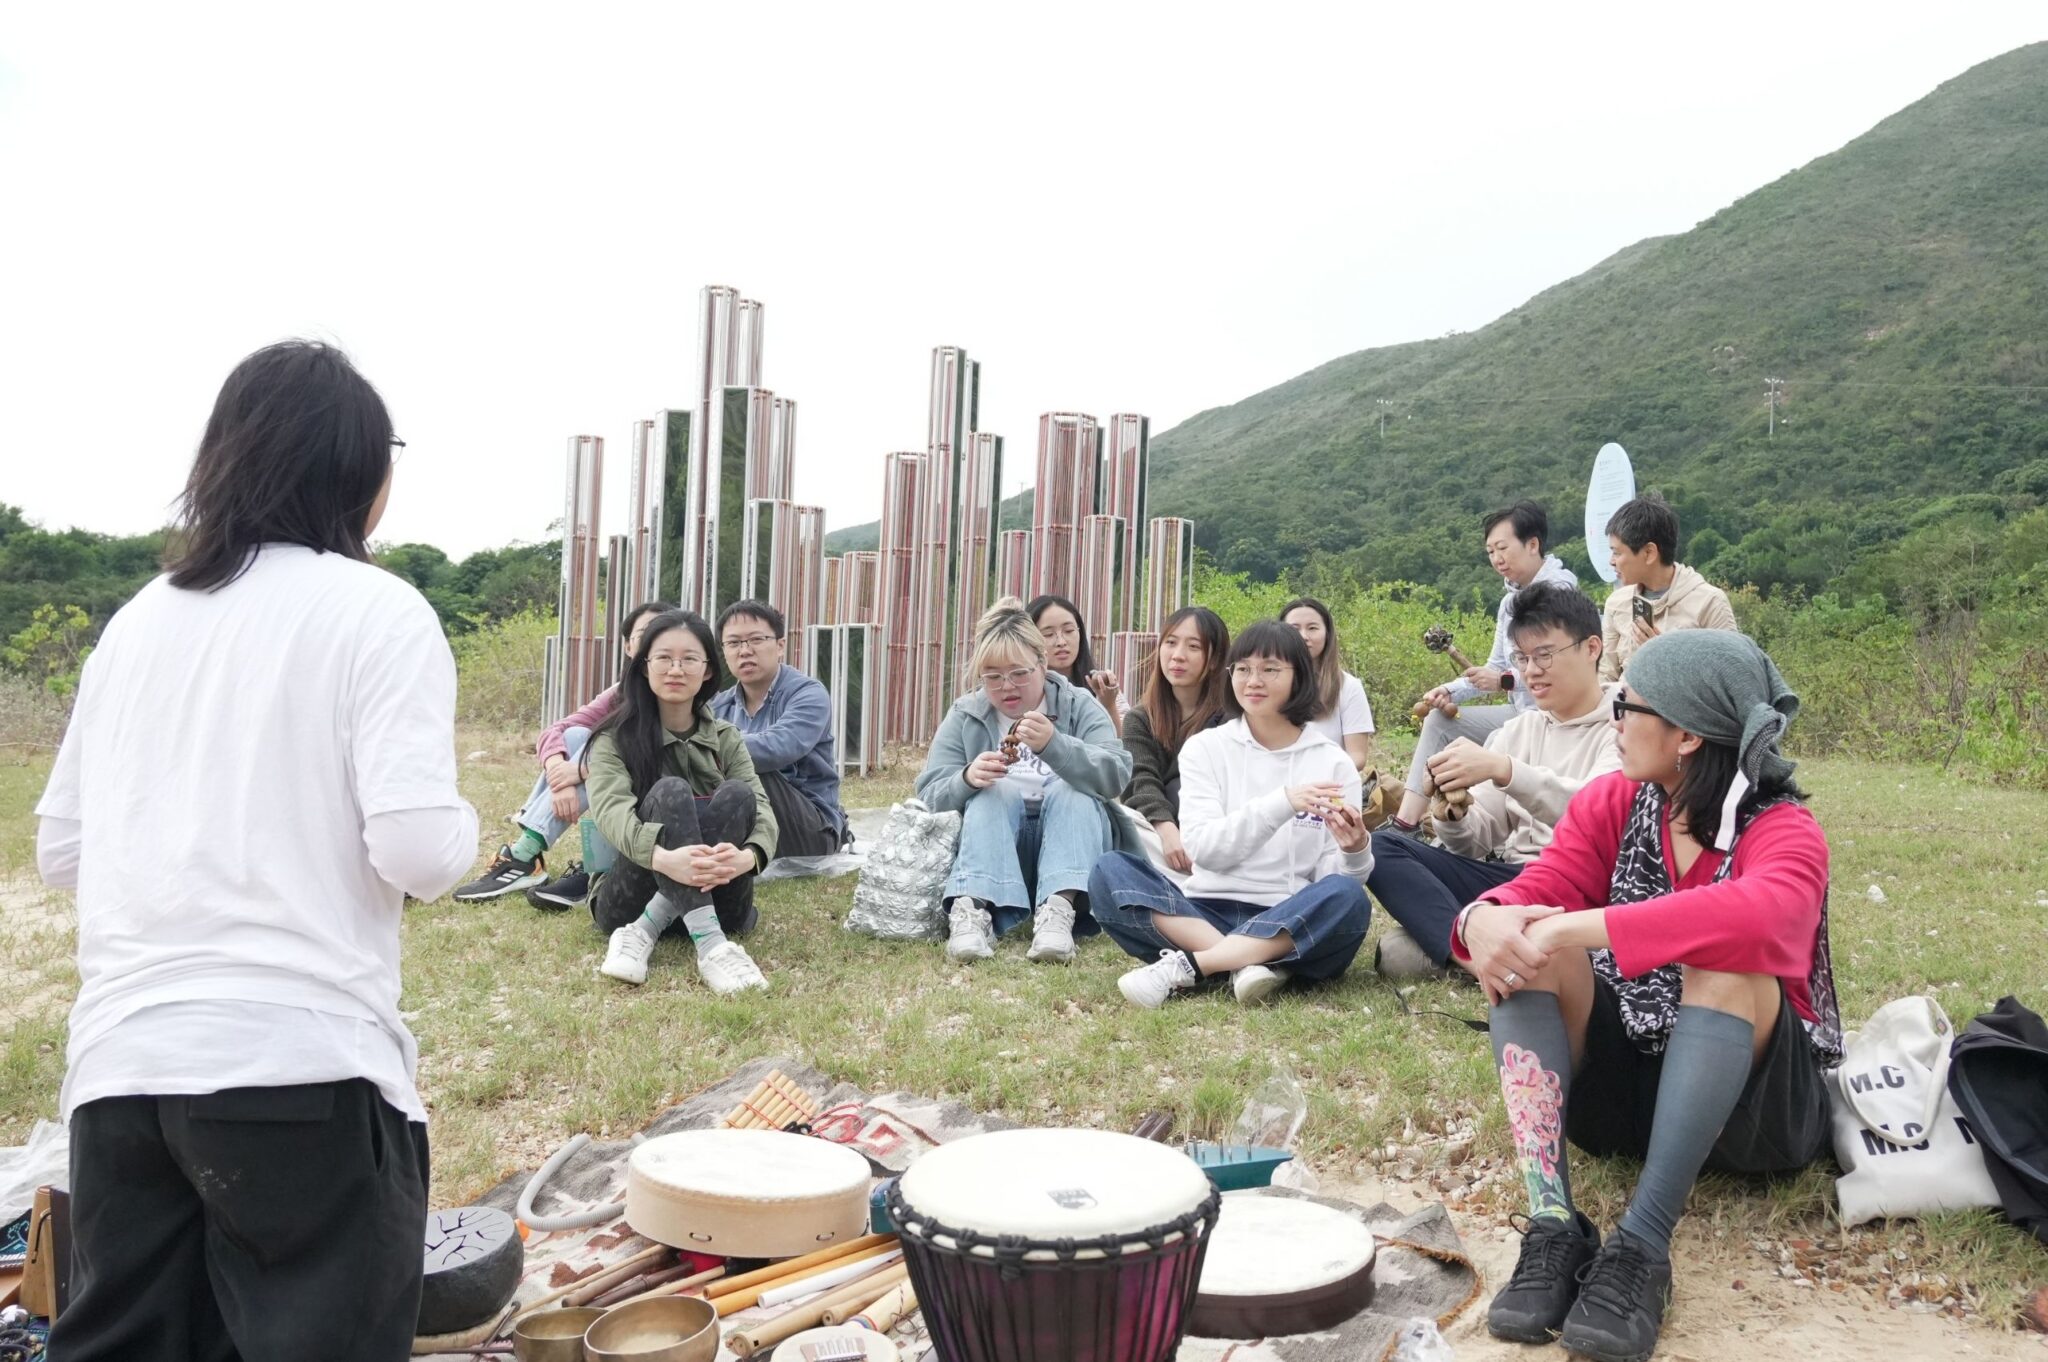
(1424, 887)
(258, 1223)
(801, 827)
(726, 815)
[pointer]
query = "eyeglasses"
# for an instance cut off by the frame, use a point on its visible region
(1541, 658)
(1016, 676)
(397, 449)
(1063, 633)
(1622, 706)
(749, 643)
(666, 662)
(1272, 671)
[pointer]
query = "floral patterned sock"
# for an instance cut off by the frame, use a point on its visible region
(1534, 1054)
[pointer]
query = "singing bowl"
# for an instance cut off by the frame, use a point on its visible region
(553, 1335)
(665, 1329)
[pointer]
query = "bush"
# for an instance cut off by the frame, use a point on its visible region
(498, 672)
(30, 716)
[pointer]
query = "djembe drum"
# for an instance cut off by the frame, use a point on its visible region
(1033, 1245)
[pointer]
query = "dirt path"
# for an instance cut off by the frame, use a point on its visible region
(1731, 1302)
(35, 927)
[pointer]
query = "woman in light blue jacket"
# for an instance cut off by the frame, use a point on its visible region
(1034, 766)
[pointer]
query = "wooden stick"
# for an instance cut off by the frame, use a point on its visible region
(844, 1305)
(758, 1338)
(829, 1279)
(795, 1267)
(887, 1312)
(644, 1282)
(683, 1287)
(732, 1302)
(583, 1292)
(629, 1266)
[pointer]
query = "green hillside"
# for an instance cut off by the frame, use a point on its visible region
(1899, 286)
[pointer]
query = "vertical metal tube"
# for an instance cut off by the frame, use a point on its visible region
(618, 599)
(661, 571)
(1069, 450)
(1130, 656)
(744, 370)
(578, 622)
(828, 593)
(938, 565)
(1169, 569)
(1013, 564)
(807, 591)
(981, 481)
(1101, 578)
(897, 594)
(1126, 491)
(716, 332)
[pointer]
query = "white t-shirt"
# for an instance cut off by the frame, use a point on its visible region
(1029, 776)
(1353, 713)
(227, 755)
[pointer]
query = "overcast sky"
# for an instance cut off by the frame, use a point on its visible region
(505, 212)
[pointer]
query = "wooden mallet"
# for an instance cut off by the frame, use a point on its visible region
(1438, 639)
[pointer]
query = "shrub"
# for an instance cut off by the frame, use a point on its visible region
(498, 672)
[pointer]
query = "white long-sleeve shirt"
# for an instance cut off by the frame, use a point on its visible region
(252, 780)
(1461, 690)
(1239, 826)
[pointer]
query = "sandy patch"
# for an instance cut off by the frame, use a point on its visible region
(37, 928)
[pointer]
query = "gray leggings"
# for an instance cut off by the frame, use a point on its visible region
(1477, 722)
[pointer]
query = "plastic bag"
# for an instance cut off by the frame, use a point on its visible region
(1272, 1117)
(828, 866)
(45, 1161)
(1422, 1341)
(902, 883)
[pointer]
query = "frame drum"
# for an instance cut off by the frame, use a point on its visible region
(1279, 1266)
(746, 1193)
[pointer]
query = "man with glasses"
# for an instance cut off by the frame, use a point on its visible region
(786, 719)
(1520, 782)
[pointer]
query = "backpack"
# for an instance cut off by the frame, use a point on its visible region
(1999, 1080)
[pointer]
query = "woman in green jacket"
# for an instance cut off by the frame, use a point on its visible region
(675, 791)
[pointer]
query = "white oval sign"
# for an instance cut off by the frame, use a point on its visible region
(1613, 484)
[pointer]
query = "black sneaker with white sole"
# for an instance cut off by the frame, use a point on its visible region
(507, 875)
(566, 890)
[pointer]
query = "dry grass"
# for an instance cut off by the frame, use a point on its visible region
(522, 1044)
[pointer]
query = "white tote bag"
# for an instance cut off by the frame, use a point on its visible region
(1903, 1145)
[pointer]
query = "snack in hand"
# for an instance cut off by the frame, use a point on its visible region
(1013, 746)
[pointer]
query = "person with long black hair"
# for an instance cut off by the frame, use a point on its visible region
(1183, 696)
(1660, 986)
(1068, 652)
(559, 799)
(674, 789)
(259, 768)
(1343, 714)
(1270, 815)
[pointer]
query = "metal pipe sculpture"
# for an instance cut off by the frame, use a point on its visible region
(1069, 454)
(939, 520)
(1099, 591)
(1126, 480)
(618, 599)
(806, 604)
(1013, 563)
(896, 594)
(717, 334)
(981, 483)
(1128, 655)
(1169, 569)
(580, 643)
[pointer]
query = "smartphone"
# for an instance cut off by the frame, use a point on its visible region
(1643, 609)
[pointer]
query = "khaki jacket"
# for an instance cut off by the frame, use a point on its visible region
(1692, 603)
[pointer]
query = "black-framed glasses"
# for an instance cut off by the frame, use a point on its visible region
(1542, 657)
(1622, 706)
(397, 449)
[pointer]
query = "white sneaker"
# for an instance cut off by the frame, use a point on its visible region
(1398, 957)
(729, 969)
(627, 956)
(970, 934)
(1255, 983)
(1052, 936)
(1150, 985)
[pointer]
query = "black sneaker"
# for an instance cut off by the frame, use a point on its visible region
(1623, 1295)
(1532, 1307)
(507, 875)
(566, 890)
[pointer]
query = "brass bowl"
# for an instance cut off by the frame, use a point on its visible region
(553, 1335)
(665, 1329)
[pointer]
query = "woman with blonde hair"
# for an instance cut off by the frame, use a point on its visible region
(1032, 764)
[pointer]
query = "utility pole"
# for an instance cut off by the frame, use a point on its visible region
(1384, 404)
(1772, 387)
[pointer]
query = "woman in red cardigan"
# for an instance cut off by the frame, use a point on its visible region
(1659, 986)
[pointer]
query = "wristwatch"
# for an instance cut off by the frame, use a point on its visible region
(1507, 680)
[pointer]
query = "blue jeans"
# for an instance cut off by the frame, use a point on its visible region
(1012, 856)
(1326, 920)
(539, 815)
(1424, 888)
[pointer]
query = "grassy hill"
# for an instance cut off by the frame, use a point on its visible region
(1899, 286)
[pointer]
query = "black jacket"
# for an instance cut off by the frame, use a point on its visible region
(1999, 1078)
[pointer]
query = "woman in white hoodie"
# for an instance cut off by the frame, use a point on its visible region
(1269, 815)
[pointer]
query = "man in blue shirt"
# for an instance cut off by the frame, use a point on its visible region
(786, 719)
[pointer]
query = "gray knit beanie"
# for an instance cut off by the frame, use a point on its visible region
(1718, 685)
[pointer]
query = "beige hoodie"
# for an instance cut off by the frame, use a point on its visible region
(1552, 758)
(1691, 603)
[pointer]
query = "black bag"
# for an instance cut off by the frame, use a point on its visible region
(1999, 1079)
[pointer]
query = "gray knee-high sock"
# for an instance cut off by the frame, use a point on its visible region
(1534, 1054)
(702, 925)
(661, 911)
(1706, 1065)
